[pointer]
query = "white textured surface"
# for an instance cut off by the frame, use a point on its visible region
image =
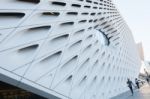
(78, 49)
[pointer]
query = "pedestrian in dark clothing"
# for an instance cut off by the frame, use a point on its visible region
(129, 83)
(147, 79)
(137, 83)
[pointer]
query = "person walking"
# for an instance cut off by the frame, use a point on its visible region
(147, 79)
(147, 76)
(137, 83)
(129, 83)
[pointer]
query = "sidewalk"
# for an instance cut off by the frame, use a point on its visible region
(143, 93)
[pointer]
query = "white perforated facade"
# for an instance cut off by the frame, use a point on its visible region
(70, 49)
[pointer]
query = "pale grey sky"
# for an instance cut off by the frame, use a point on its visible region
(137, 15)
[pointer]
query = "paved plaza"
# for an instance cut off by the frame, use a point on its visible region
(143, 93)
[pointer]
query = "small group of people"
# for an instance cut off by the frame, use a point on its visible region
(130, 84)
(137, 82)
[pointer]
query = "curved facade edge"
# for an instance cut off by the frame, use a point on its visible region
(69, 49)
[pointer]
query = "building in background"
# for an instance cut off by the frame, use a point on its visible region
(147, 66)
(66, 49)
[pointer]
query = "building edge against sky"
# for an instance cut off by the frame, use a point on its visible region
(69, 49)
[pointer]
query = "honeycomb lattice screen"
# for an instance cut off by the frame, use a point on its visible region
(71, 49)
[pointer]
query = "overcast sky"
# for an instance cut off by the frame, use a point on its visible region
(137, 15)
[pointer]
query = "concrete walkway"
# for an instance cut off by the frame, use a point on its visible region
(143, 93)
